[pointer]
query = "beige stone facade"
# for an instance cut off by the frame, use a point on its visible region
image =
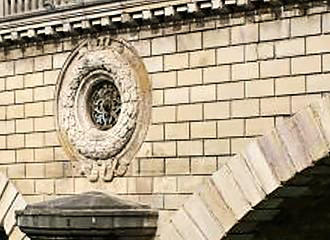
(216, 85)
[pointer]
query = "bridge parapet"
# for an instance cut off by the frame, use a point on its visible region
(13, 8)
(28, 20)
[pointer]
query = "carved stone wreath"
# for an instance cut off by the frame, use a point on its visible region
(103, 106)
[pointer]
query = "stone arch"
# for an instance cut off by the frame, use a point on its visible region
(10, 201)
(253, 180)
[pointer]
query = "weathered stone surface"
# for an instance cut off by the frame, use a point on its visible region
(260, 168)
(276, 156)
(275, 29)
(7, 199)
(186, 227)
(3, 183)
(290, 47)
(323, 114)
(291, 138)
(248, 183)
(16, 234)
(215, 202)
(170, 233)
(202, 216)
(311, 134)
(10, 219)
(231, 192)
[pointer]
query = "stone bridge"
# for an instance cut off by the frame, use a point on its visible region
(279, 180)
(238, 141)
(277, 188)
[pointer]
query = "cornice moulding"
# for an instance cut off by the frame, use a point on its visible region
(124, 14)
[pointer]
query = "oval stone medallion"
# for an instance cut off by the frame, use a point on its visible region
(103, 106)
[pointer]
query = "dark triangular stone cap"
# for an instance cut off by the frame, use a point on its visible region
(86, 216)
(89, 200)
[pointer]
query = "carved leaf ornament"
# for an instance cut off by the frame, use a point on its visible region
(103, 106)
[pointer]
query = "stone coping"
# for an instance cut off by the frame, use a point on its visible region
(87, 212)
(87, 201)
(128, 14)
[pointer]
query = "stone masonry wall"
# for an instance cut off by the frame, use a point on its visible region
(216, 85)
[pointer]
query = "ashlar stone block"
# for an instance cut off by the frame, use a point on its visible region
(275, 29)
(260, 168)
(189, 184)
(177, 131)
(10, 219)
(24, 66)
(203, 129)
(3, 183)
(230, 55)
(16, 234)
(244, 34)
(290, 137)
(229, 91)
(203, 165)
(216, 110)
(291, 47)
(165, 184)
(246, 180)
(211, 196)
(274, 68)
(323, 113)
(277, 156)
(7, 199)
(177, 166)
(170, 233)
(318, 83)
(259, 88)
(245, 71)
(306, 64)
(201, 215)
(6, 68)
(188, 42)
(176, 61)
(163, 45)
(186, 227)
(306, 25)
(231, 192)
(216, 38)
(202, 58)
(311, 133)
(43, 63)
(216, 74)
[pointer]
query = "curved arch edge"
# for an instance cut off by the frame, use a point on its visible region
(246, 179)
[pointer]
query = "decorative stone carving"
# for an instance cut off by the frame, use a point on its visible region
(103, 106)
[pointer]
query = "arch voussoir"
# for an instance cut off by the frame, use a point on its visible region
(10, 201)
(252, 185)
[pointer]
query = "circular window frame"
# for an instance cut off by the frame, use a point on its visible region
(107, 108)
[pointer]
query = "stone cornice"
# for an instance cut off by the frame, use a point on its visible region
(121, 14)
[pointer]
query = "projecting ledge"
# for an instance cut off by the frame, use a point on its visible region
(91, 215)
